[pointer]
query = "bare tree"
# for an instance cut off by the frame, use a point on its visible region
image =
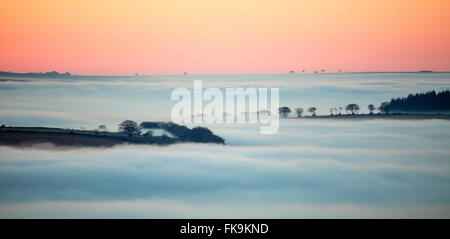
(299, 112)
(371, 108)
(333, 111)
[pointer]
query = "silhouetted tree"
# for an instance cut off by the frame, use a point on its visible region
(299, 112)
(371, 108)
(340, 110)
(385, 107)
(129, 127)
(284, 111)
(312, 110)
(102, 127)
(352, 108)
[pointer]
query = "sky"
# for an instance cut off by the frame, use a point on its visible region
(234, 36)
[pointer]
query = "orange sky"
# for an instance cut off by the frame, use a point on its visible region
(232, 36)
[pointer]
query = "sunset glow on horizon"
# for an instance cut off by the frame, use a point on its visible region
(234, 36)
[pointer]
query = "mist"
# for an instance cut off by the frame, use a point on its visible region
(381, 168)
(88, 101)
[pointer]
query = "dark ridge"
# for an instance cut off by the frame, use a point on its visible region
(34, 74)
(197, 134)
(421, 102)
(378, 116)
(29, 136)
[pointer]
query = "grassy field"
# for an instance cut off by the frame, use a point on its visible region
(27, 136)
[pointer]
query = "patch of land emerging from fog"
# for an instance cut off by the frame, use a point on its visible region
(59, 137)
(394, 116)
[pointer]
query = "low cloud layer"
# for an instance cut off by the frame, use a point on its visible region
(311, 168)
(160, 208)
(91, 101)
(376, 168)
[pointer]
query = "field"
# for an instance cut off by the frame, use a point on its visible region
(28, 136)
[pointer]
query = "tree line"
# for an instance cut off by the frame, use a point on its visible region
(197, 134)
(421, 102)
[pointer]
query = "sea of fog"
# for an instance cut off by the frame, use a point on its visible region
(90, 101)
(309, 169)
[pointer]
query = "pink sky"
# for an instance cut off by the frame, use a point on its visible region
(208, 36)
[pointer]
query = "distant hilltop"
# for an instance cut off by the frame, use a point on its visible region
(396, 72)
(67, 74)
(34, 74)
(129, 133)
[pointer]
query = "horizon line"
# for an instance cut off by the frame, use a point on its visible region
(64, 74)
